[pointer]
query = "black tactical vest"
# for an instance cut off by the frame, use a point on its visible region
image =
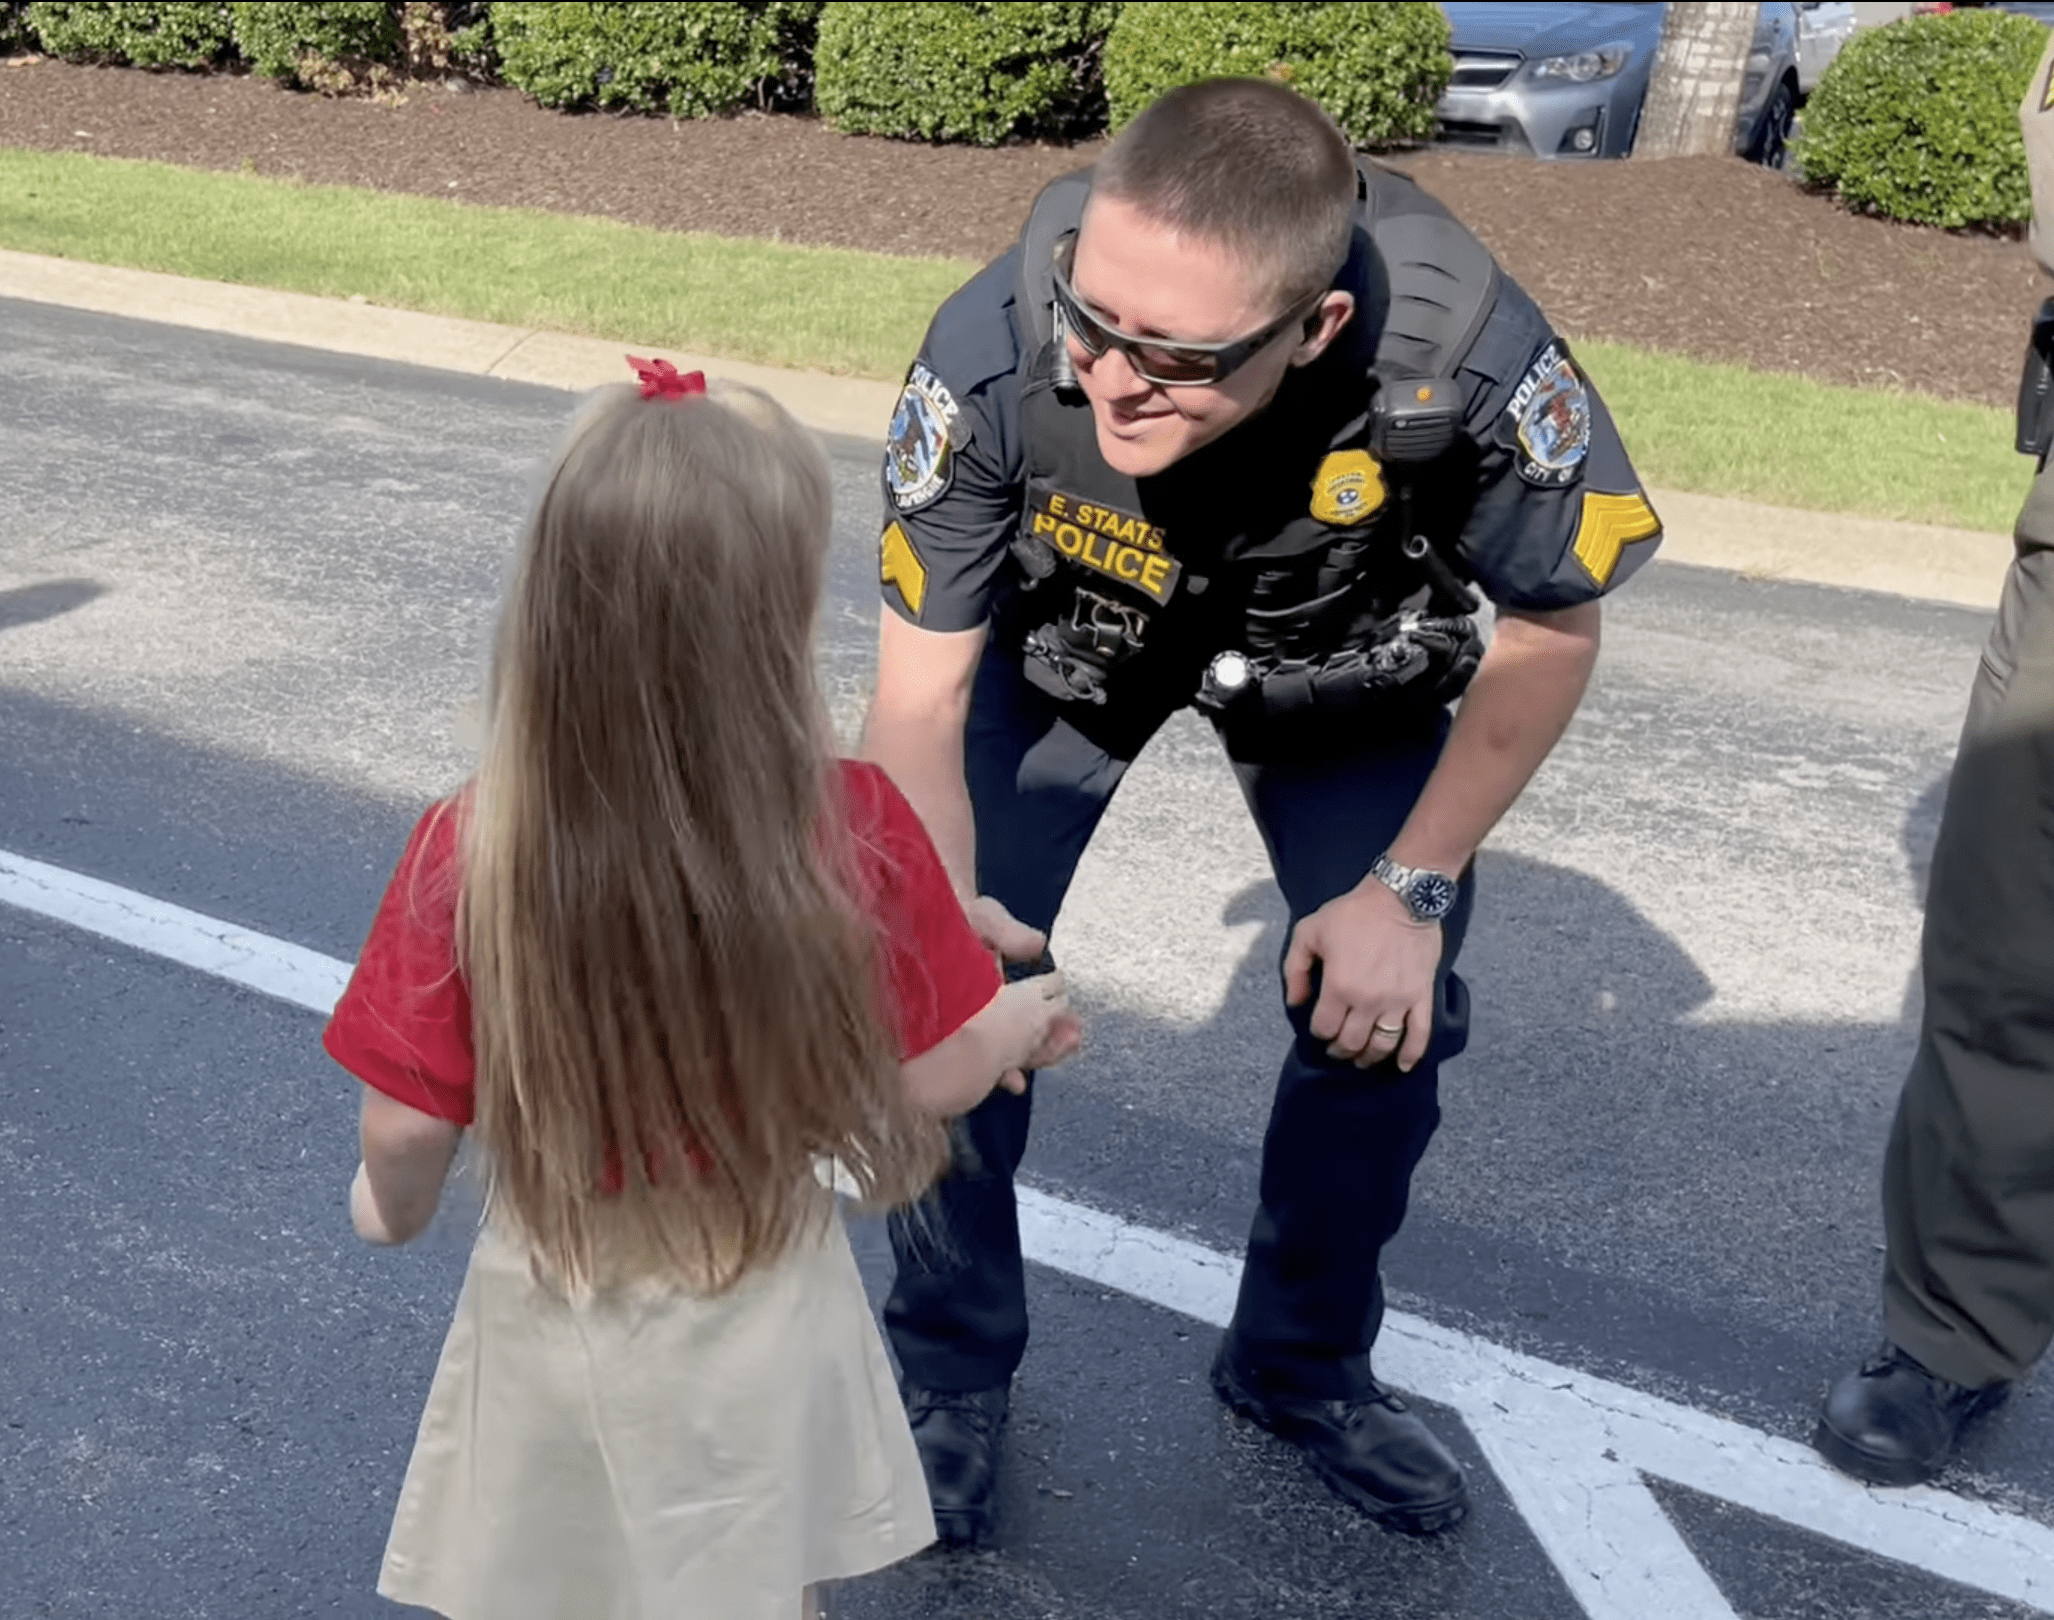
(1297, 569)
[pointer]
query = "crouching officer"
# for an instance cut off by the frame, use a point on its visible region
(1968, 1178)
(1239, 424)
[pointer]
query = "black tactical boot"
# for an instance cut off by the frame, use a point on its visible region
(1891, 1422)
(1371, 1450)
(957, 1432)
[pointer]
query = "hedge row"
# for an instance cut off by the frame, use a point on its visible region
(334, 45)
(973, 72)
(1377, 69)
(687, 60)
(954, 70)
(1916, 120)
(1919, 120)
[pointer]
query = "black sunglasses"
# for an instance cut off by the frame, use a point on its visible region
(1167, 365)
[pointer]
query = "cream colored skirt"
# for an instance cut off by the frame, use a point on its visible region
(656, 1457)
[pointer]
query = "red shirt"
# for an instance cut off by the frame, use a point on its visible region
(403, 1024)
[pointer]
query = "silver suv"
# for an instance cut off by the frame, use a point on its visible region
(1567, 81)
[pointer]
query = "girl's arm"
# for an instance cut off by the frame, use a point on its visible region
(1027, 1025)
(407, 1155)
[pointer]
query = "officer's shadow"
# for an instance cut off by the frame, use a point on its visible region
(1605, 1119)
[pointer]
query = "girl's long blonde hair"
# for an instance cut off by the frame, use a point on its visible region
(677, 999)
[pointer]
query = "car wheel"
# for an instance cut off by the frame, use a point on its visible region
(1772, 145)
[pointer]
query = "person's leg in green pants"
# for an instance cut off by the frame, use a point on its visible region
(1968, 1182)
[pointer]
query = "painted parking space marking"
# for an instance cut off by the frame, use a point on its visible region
(256, 961)
(1573, 1451)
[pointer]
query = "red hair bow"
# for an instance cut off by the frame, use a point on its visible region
(662, 380)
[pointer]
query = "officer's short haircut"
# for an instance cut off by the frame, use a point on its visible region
(1246, 163)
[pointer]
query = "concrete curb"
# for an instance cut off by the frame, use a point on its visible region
(825, 402)
(1960, 566)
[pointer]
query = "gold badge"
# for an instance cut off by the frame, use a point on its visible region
(898, 564)
(1348, 488)
(1609, 524)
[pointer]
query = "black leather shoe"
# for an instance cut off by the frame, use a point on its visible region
(1893, 1423)
(1372, 1450)
(957, 1432)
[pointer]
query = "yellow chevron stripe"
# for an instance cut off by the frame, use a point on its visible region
(900, 565)
(1611, 523)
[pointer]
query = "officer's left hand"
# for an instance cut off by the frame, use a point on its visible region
(1001, 932)
(1376, 976)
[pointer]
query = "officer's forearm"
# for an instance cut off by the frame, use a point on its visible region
(1521, 700)
(923, 755)
(915, 731)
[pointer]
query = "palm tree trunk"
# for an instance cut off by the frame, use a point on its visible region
(1693, 95)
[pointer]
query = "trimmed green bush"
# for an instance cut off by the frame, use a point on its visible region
(688, 59)
(1377, 69)
(130, 35)
(318, 43)
(14, 29)
(974, 72)
(1918, 120)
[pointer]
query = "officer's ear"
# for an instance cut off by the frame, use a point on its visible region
(1326, 322)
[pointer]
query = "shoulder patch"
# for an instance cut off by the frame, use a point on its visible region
(1348, 488)
(1607, 526)
(925, 429)
(1548, 421)
(899, 564)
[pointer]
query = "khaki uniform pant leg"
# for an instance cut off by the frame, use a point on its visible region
(1968, 1185)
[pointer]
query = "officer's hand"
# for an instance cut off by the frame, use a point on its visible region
(1000, 931)
(1376, 976)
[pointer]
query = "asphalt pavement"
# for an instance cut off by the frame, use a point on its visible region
(244, 591)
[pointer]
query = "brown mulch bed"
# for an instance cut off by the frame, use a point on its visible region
(1700, 256)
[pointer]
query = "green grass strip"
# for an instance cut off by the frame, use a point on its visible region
(826, 308)
(1725, 430)
(1718, 430)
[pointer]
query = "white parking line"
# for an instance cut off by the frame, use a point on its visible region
(1574, 1452)
(288, 972)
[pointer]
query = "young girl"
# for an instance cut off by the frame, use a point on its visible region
(665, 957)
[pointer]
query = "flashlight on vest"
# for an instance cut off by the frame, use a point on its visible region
(1415, 418)
(1226, 678)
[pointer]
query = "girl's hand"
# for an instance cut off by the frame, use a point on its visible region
(1032, 1027)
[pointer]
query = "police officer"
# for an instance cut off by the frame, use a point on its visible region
(1239, 424)
(1968, 1177)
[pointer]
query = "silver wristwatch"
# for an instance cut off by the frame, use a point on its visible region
(1428, 895)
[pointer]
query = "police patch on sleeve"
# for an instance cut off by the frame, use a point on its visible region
(917, 451)
(1548, 420)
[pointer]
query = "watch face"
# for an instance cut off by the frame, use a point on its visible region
(1431, 896)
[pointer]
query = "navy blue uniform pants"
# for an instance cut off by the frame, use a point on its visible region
(1342, 1142)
